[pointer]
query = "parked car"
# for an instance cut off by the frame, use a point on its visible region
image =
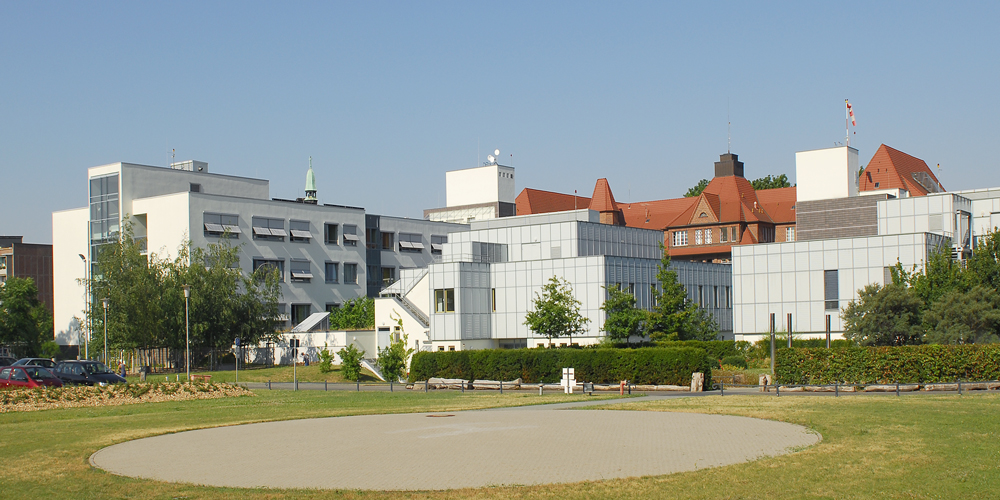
(86, 373)
(7, 360)
(44, 362)
(13, 377)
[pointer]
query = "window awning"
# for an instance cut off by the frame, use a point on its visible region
(405, 244)
(437, 247)
(417, 245)
(301, 275)
(298, 233)
(278, 232)
(351, 237)
(215, 228)
(232, 229)
(261, 231)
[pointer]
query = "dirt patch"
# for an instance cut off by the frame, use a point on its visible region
(113, 395)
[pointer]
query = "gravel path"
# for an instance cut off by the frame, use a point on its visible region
(436, 451)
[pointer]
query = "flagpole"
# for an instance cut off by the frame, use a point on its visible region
(847, 121)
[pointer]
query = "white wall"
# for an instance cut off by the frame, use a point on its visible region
(166, 222)
(387, 309)
(823, 174)
(69, 240)
(474, 185)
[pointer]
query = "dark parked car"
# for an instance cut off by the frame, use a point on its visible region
(13, 377)
(47, 363)
(86, 373)
(7, 360)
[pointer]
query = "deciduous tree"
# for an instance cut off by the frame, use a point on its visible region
(25, 323)
(556, 312)
(889, 315)
(958, 317)
(622, 319)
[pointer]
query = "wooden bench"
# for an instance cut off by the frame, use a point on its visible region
(201, 378)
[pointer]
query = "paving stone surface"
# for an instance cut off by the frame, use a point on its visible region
(436, 451)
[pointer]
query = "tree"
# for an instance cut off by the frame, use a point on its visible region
(25, 323)
(325, 360)
(673, 313)
(768, 182)
(350, 362)
(983, 268)
(556, 312)
(971, 317)
(393, 359)
(886, 316)
(697, 189)
(355, 314)
(622, 320)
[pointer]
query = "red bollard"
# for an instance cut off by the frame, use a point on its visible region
(621, 389)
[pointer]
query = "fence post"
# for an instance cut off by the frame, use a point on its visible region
(836, 389)
(789, 330)
(325, 385)
(501, 385)
(897, 388)
(463, 386)
(777, 390)
(772, 344)
(425, 385)
(827, 331)
(358, 381)
(390, 385)
(959, 387)
(722, 388)
(269, 384)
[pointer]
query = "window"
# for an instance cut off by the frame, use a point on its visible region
(300, 312)
(266, 228)
(195, 188)
(222, 224)
(440, 348)
(697, 237)
(876, 185)
(437, 243)
(723, 235)
(729, 298)
(789, 234)
(766, 234)
(301, 271)
(388, 275)
(493, 298)
(331, 272)
(451, 348)
(734, 240)
(708, 236)
(387, 239)
(410, 242)
(351, 274)
(680, 238)
(330, 234)
(300, 231)
(444, 300)
(332, 306)
(350, 235)
(371, 237)
(282, 311)
(278, 264)
(831, 288)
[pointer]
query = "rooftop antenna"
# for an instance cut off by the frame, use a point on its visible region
(729, 130)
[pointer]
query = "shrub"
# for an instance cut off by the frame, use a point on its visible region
(737, 361)
(603, 366)
(350, 362)
(325, 360)
(717, 349)
(908, 364)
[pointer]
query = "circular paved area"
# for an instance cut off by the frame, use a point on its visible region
(452, 450)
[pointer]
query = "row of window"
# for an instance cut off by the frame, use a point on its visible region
(706, 236)
(273, 229)
(300, 270)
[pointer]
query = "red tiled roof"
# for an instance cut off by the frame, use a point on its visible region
(736, 198)
(779, 203)
(654, 214)
(603, 200)
(893, 169)
(535, 201)
(700, 250)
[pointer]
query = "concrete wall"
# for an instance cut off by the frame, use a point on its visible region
(826, 173)
(69, 240)
(491, 183)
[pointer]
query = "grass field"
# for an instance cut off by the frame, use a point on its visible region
(918, 446)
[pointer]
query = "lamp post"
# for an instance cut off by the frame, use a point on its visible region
(105, 302)
(187, 331)
(86, 307)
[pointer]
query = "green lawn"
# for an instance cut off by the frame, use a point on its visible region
(916, 446)
(309, 373)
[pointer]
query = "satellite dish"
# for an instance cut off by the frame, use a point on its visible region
(490, 158)
(497, 152)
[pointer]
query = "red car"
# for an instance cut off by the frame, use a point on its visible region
(13, 377)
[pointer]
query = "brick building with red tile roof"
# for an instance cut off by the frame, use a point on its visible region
(893, 169)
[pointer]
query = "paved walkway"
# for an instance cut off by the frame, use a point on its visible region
(436, 451)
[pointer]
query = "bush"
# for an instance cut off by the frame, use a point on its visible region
(325, 360)
(761, 349)
(602, 366)
(717, 349)
(350, 362)
(907, 364)
(737, 361)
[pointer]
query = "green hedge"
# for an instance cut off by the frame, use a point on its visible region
(717, 349)
(601, 366)
(761, 349)
(866, 365)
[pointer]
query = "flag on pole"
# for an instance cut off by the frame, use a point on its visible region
(850, 113)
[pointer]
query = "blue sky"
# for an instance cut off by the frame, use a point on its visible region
(388, 96)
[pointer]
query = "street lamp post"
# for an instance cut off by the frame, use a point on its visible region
(187, 330)
(105, 302)
(86, 307)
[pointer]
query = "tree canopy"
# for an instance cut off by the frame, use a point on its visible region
(355, 314)
(883, 315)
(696, 189)
(622, 319)
(769, 182)
(556, 312)
(25, 323)
(674, 316)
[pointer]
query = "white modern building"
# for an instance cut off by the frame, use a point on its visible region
(848, 240)
(327, 254)
(478, 295)
(480, 193)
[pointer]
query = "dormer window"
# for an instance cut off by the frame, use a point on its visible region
(876, 185)
(703, 214)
